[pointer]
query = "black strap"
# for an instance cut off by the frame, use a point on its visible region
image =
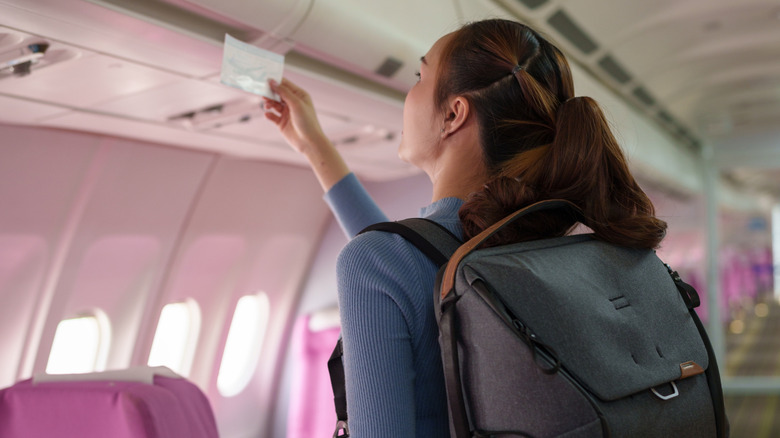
(713, 381)
(691, 298)
(438, 246)
(451, 364)
(433, 240)
(688, 293)
(336, 371)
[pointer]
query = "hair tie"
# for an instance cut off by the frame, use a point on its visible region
(516, 69)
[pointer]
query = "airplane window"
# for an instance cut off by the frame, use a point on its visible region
(80, 345)
(176, 337)
(244, 341)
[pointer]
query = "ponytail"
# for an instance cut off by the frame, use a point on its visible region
(538, 142)
(585, 165)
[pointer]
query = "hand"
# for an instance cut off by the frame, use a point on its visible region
(298, 124)
(295, 117)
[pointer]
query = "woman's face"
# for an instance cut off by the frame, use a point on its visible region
(423, 122)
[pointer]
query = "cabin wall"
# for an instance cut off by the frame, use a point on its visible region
(398, 200)
(125, 227)
(94, 223)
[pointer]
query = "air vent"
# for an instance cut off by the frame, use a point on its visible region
(390, 67)
(363, 136)
(561, 22)
(614, 69)
(217, 116)
(532, 4)
(643, 96)
(666, 117)
(690, 140)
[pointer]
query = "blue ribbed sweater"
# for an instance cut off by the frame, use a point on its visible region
(394, 379)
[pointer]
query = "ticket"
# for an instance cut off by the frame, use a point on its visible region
(249, 68)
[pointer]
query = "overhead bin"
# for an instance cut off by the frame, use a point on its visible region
(279, 18)
(379, 42)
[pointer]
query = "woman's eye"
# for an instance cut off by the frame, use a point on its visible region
(418, 75)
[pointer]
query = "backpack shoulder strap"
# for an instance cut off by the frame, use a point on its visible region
(433, 240)
(691, 298)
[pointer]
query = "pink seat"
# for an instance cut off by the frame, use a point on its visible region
(170, 407)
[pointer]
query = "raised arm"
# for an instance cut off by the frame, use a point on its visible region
(297, 122)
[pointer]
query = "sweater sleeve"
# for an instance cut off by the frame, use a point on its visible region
(377, 322)
(353, 206)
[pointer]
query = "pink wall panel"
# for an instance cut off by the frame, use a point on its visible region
(138, 199)
(41, 175)
(125, 226)
(264, 222)
(22, 266)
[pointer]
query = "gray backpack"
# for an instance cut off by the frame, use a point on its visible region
(567, 337)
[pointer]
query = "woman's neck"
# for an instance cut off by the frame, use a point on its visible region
(459, 173)
(456, 189)
(459, 168)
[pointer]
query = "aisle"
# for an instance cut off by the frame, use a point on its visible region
(755, 352)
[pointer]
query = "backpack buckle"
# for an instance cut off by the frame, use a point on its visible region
(341, 426)
(667, 397)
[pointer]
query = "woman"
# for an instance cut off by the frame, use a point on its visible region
(493, 123)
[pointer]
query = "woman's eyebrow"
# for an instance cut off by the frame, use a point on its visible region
(422, 59)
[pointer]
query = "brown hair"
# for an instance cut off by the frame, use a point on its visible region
(538, 141)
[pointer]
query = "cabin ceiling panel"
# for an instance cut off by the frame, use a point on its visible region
(171, 99)
(84, 24)
(375, 162)
(87, 81)
(344, 101)
(686, 52)
(257, 129)
(474, 10)
(767, 181)
(25, 112)
(415, 22)
(277, 17)
(701, 69)
(168, 134)
(704, 70)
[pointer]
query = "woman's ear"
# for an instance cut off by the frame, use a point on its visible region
(458, 111)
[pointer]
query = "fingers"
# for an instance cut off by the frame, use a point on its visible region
(298, 91)
(276, 119)
(272, 104)
(290, 92)
(282, 89)
(273, 110)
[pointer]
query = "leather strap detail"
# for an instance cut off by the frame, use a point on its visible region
(448, 280)
(689, 369)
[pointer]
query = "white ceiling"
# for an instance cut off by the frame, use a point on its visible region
(128, 77)
(707, 71)
(712, 65)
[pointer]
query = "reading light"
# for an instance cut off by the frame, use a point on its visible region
(20, 59)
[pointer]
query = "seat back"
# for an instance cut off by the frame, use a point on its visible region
(106, 405)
